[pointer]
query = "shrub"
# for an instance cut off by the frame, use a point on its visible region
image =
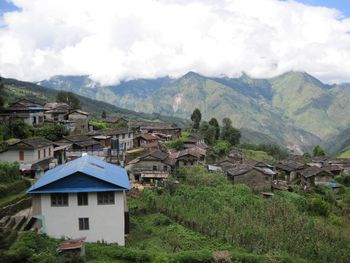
(318, 206)
(9, 172)
(14, 187)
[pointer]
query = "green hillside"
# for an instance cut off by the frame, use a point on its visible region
(15, 90)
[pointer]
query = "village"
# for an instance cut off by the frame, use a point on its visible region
(92, 168)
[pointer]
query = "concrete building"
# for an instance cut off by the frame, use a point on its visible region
(33, 155)
(83, 198)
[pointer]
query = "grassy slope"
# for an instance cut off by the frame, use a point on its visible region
(345, 154)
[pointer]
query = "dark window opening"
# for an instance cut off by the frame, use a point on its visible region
(84, 223)
(59, 199)
(82, 198)
(154, 168)
(105, 198)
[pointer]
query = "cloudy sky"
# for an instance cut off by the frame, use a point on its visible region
(116, 40)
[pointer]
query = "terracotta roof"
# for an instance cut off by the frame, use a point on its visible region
(71, 244)
(150, 145)
(149, 137)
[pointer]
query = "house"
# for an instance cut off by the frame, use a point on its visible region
(104, 140)
(170, 129)
(195, 140)
(150, 168)
(236, 155)
(227, 163)
(80, 144)
(257, 178)
(188, 157)
(122, 139)
(314, 175)
(31, 113)
(82, 198)
(34, 155)
(81, 120)
(290, 169)
(144, 139)
(343, 163)
(56, 111)
(60, 152)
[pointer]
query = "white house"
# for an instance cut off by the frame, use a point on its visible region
(31, 154)
(83, 198)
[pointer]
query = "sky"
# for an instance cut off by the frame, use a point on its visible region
(119, 40)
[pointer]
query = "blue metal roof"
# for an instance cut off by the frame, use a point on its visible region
(114, 175)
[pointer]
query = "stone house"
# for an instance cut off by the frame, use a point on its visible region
(81, 119)
(34, 155)
(56, 111)
(290, 169)
(188, 157)
(122, 139)
(167, 129)
(144, 139)
(259, 179)
(150, 168)
(82, 198)
(314, 175)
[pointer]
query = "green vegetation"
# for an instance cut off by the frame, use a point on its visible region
(286, 224)
(229, 133)
(53, 132)
(36, 248)
(276, 151)
(318, 151)
(99, 125)
(196, 118)
(345, 154)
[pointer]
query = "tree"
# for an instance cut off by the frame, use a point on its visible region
(208, 132)
(52, 132)
(196, 118)
(229, 133)
(318, 151)
(222, 148)
(19, 129)
(104, 115)
(69, 98)
(214, 122)
(2, 99)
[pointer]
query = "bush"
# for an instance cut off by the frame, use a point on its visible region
(317, 206)
(52, 132)
(9, 172)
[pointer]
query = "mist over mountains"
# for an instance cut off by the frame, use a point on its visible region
(295, 108)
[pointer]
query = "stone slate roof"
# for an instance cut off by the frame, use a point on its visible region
(149, 137)
(25, 105)
(110, 132)
(245, 168)
(113, 119)
(157, 154)
(152, 125)
(290, 166)
(32, 143)
(313, 171)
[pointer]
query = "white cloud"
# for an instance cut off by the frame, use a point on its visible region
(114, 40)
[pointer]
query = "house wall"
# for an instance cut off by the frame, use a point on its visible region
(30, 156)
(126, 141)
(187, 161)
(81, 122)
(255, 180)
(106, 221)
(147, 166)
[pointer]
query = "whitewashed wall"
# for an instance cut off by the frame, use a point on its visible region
(106, 221)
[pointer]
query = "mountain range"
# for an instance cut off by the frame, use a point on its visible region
(295, 109)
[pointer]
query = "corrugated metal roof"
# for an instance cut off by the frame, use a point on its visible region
(88, 165)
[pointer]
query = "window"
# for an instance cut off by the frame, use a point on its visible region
(21, 155)
(105, 198)
(165, 168)
(123, 136)
(44, 153)
(39, 154)
(154, 168)
(49, 151)
(84, 223)
(82, 198)
(59, 199)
